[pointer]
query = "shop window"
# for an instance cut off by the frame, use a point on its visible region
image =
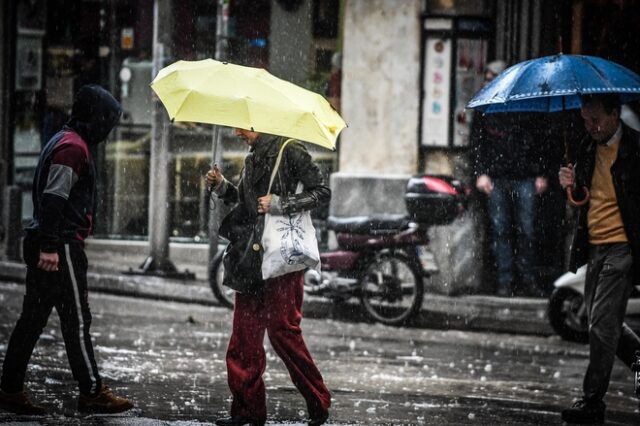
(248, 31)
(459, 7)
(123, 194)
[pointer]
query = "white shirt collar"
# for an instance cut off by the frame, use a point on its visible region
(616, 136)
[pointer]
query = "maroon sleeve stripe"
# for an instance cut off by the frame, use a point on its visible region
(72, 152)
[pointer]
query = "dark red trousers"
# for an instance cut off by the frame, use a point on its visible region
(278, 311)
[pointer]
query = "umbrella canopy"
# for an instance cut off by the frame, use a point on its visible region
(555, 83)
(214, 92)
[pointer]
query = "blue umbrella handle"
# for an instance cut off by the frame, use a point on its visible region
(578, 203)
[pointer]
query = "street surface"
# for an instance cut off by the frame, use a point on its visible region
(169, 358)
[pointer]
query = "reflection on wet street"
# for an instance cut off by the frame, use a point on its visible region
(169, 358)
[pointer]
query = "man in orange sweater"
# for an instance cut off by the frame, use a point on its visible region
(606, 236)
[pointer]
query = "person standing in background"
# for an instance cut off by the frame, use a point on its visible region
(510, 170)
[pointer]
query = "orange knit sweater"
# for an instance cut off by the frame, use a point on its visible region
(604, 219)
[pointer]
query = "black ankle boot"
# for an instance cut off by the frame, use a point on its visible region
(585, 412)
(239, 421)
(319, 419)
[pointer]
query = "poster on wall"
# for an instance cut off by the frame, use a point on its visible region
(437, 89)
(470, 63)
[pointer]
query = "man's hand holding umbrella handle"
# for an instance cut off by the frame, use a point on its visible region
(567, 178)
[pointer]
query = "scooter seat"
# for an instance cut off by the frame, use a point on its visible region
(376, 224)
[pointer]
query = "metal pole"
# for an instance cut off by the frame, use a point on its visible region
(158, 182)
(11, 222)
(3, 121)
(158, 262)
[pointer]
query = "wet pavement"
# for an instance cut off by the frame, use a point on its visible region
(169, 358)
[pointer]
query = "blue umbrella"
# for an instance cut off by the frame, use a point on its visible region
(555, 83)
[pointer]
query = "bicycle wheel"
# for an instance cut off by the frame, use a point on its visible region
(225, 295)
(391, 289)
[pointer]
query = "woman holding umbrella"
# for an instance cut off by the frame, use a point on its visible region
(276, 306)
(259, 106)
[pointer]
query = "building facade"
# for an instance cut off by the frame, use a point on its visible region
(408, 68)
(52, 47)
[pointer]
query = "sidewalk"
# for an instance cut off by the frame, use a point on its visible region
(471, 312)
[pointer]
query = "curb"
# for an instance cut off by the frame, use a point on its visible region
(472, 312)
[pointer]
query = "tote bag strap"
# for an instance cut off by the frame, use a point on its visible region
(275, 168)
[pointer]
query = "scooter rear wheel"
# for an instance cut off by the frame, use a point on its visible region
(391, 289)
(567, 315)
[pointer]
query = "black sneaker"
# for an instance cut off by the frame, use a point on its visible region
(319, 419)
(239, 421)
(19, 403)
(585, 413)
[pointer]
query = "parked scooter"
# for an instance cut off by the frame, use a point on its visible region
(567, 310)
(381, 261)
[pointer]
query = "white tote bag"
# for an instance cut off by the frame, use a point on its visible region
(289, 240)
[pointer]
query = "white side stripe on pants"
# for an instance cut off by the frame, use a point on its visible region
(76, 293)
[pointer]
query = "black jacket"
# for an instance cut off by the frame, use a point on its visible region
(64, 183)
(625, 173)
(509, 146)
(296, 166)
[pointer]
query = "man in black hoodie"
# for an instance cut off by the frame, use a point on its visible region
(53, 249)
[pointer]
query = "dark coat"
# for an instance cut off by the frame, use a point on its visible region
(508, 146)
(625, 173)
(296, 166)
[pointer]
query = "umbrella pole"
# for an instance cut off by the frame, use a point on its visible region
(573, 201)
(214, 206)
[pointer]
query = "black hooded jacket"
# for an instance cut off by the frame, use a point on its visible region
(65, 178)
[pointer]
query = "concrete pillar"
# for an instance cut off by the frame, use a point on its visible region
(379, 150)
(290, 42)
(381, 86)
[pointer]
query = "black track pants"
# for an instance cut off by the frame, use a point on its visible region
(66, 290)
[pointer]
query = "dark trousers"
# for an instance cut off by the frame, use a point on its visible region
(607, 290)
(66, 290)
(278, 311)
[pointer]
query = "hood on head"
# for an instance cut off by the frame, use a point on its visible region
(94, 114)
(496, 67)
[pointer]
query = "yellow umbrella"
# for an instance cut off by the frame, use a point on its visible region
(214, 92)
